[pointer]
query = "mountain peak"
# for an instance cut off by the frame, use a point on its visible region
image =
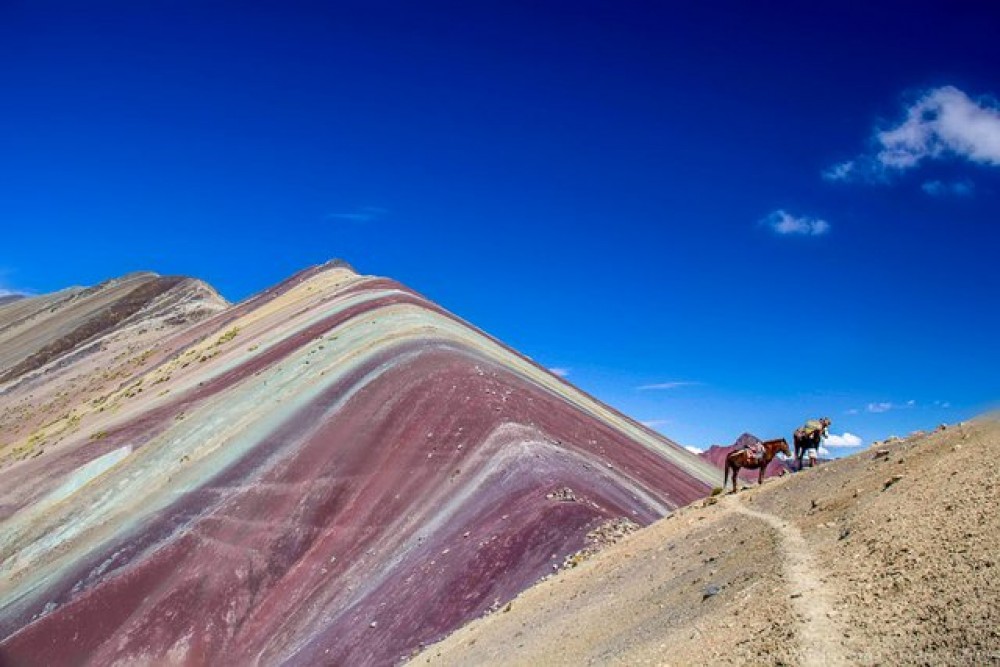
(336, 447)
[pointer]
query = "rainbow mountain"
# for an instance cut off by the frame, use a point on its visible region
(334, 471)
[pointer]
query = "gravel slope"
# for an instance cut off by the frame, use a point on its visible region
(885, 557)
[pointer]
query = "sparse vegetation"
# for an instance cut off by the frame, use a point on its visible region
(141, 359)
(228, 336)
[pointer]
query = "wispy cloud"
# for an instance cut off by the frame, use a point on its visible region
(886, 406)
(845, 440)
(943, 123)
(839, 172)
(561, 372)
(693, 449)
(655, 423)
(945, 189)
(666, 385)
(6, 289)
(784, 223)
(363, 214)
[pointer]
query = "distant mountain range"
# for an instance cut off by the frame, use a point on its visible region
(335, 470)
(9, 298)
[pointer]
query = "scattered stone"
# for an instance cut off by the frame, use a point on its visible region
(611, 531)
(373, 624)
(892, 480)
(606, 534)
(880, 454)
(563, 494)
(710, 591)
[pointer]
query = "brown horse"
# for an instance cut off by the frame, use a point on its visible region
(744, 458)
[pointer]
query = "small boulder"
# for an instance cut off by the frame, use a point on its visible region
(710, 591)
(892, 480)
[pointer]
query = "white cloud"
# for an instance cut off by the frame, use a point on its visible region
(655, 423)
(560, 372)
(666, 385)
(693, 449)
(5, 285)
(885, 406)
(943, 123)
(845, 440)
(840, 172)
(363, 214)
(822, 451)
(953, 189)
(784, 223)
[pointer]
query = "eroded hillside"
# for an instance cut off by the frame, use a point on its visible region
(331, 472)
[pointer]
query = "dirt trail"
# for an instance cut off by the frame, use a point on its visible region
(885, 557)
(818, 631)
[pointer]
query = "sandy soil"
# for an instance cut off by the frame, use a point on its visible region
(886, 557)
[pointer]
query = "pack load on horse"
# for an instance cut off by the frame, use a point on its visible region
(754, 457)
(808, 438)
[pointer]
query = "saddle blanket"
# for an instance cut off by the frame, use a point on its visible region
(755, 453)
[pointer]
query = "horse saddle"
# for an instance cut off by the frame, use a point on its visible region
(755, 453)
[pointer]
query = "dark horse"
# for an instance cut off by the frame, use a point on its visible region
(745, 458)
(809, 438)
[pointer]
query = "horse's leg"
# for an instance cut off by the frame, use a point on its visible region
(760, 477)
(736, 473)
(725, 477)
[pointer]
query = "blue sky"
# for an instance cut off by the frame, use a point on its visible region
(717, 217)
